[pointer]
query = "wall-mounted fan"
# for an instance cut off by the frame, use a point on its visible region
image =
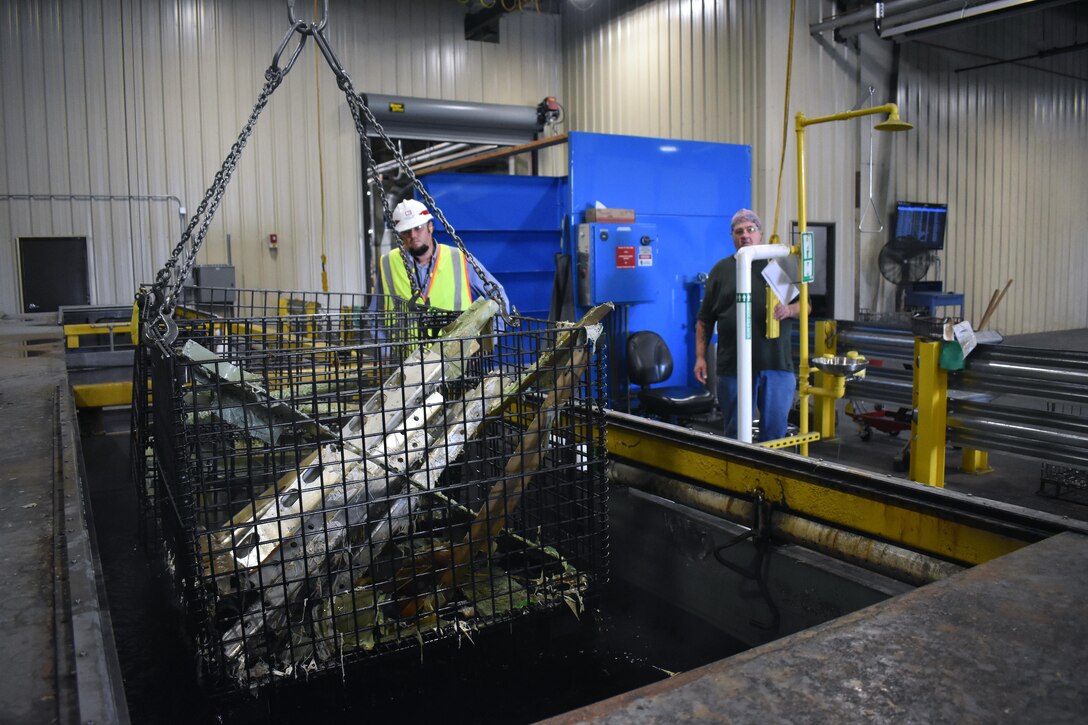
(903, 262)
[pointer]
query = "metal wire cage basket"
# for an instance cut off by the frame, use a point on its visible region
(933, 328)
(331, 478)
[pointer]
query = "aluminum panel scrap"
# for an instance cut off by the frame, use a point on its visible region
(331, 502)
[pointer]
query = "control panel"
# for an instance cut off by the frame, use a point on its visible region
(615, 263)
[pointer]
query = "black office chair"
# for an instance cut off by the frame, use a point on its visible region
(648, 362)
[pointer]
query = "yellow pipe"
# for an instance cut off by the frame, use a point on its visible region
(824, 407)
(771, 322)
(802, 226)
(833, 393)
(801, 121)
(889, 108)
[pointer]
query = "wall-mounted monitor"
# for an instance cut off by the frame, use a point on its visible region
(920, 224)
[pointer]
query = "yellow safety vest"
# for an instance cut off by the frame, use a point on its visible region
(448, 287)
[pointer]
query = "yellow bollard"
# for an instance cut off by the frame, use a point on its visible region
(975, 461)
(927, 431)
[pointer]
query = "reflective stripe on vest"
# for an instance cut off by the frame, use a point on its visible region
(448, 287)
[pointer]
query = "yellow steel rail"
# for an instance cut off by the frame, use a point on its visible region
(958, 528)
(102, 395)
(72, 333)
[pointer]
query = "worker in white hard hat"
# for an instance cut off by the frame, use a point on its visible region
(442, 274)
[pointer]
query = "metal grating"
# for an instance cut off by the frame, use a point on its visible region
(332, 485)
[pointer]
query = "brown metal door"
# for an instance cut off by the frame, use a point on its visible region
(54, 272)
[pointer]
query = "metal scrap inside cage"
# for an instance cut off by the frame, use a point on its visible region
(331, 478)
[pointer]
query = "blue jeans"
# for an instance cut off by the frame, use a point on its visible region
(772, 393)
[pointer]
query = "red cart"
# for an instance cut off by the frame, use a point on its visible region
(886, 421)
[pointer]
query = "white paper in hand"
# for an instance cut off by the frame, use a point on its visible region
(784, 288)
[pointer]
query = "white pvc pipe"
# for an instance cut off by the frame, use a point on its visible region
(744, 257)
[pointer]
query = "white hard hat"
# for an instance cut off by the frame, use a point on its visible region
(410, 214)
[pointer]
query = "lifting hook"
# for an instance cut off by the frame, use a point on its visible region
(301, 25)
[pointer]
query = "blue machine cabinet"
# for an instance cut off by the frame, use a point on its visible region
(511, 223)
(683, 194)
(687, 191)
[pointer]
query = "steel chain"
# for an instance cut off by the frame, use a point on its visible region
(159, 301)
(490, 288)
(362, 116)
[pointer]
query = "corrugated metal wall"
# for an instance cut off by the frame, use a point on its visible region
(1006, 147)
(145, 97)
(672, 68)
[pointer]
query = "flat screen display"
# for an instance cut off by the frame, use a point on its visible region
(920, 224)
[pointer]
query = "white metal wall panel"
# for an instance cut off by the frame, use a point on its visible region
(1007, 148)
(670, 68)
(145, 98)
(824, 82)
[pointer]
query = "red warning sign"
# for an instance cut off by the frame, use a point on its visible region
(626, 258)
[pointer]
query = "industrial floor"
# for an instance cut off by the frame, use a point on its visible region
(60, 659)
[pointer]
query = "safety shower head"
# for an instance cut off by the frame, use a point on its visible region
(894, 123)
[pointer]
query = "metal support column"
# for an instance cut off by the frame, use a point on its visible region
(927, 430)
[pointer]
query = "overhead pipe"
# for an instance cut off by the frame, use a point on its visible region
(954, 12)
(466, 153)
(865, 17)
(898, 17)
(421, 155)
(102, 197)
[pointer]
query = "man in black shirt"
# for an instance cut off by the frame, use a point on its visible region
(772, 363)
